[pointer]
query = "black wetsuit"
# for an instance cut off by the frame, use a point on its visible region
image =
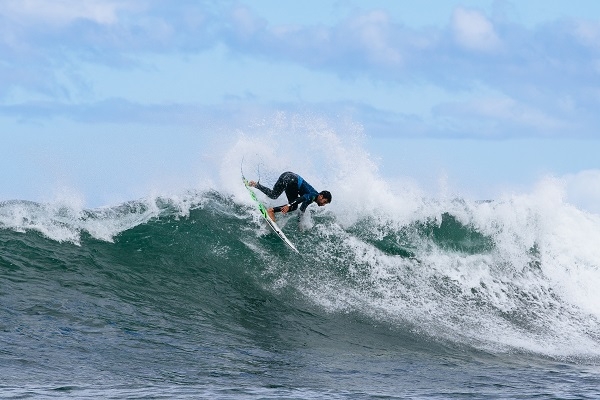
(297, 190)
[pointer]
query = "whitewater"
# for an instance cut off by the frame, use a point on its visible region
(396, 293)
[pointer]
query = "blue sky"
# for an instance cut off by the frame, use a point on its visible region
(111, 98)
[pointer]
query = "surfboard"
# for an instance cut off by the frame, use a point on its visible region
(263, 211)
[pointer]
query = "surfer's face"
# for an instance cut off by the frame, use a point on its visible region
(321, 201)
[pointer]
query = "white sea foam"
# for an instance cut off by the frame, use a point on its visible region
(533, 289)
(64, 220)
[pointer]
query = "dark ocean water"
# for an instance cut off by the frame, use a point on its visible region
(195, 298)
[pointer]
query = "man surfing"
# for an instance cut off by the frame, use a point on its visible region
(297, 190)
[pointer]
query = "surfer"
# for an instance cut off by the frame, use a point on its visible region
(297, 190)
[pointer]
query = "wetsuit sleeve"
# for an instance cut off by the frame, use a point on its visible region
(293, 205)
(306, 200)
(263, 189)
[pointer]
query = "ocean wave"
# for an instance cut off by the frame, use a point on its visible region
(515, 274)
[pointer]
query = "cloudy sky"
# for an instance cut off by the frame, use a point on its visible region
(105, 97)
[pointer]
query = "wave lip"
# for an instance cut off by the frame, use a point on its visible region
(65, 221)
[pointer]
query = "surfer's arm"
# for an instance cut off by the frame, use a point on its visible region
(294, 204)
(290, 206)
(282, 209)
(304, 200)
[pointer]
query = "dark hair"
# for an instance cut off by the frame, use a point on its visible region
(326, 195)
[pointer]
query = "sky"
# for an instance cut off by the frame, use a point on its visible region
(110, 98)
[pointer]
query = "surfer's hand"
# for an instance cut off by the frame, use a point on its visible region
(285, 209)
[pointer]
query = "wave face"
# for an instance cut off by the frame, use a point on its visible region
(195, 288)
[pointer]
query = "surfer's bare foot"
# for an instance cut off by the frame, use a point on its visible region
(252, 184)
(271, 214)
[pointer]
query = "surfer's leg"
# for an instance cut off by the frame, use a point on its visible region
(282, 184)
(291, 193)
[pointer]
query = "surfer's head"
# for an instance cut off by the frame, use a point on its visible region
(323, 198)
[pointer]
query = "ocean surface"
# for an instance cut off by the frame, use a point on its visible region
(192, 296)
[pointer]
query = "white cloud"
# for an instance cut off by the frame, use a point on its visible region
(62, 12)
(473, 31)
(245, 22)
(501, 116)
(508, 109)
(372, 31)
(544, 81)
(588, 33)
